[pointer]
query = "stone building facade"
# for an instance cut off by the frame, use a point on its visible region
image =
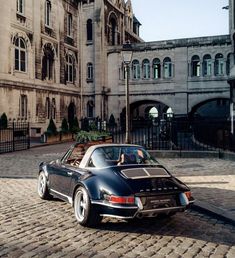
(62, 59)
(53, 54)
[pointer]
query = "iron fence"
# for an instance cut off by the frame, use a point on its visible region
(202, 135)
(15, 137)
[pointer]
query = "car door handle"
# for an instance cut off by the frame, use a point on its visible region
(69, 173)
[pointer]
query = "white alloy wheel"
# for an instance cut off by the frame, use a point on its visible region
(81, 205)
(42, 186)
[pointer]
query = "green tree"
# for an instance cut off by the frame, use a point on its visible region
(112, 121)
(51, 129)
(75, 126)
(64, 126)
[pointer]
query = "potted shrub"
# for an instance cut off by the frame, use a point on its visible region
(65, 133)
(51, 133)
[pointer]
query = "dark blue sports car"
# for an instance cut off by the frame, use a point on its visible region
(115, 180)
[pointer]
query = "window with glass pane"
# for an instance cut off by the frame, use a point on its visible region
(69, 25)
(48, 13)
(69, 69)
(48, 63)
(167, 66)
(89, 71)
(196, 66)
(23, 106)
(89, 30)
(156, 68)
(20, 55)
(207, 65)
(219, 64)
(20, 6)
(136, 69)
(146, 69)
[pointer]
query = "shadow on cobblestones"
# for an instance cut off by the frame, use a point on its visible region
(33, 227)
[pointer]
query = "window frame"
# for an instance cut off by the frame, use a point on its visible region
(195, 66)
(23, 108)
(70, 69)
(20, 7)
(219, 65)
(47, 13)
(167, 68)
(69, 25)
(135, 69)
(90, 71)
(20, 55)
(146, 69)
(207, 65)
(156, 68)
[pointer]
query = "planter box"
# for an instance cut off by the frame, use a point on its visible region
(53, 138)
(66, 137)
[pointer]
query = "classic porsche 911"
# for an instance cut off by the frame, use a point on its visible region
(115, 180)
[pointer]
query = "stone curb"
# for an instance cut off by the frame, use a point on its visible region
(48, 144)
(209, 209)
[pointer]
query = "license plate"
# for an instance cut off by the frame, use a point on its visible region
(155, 202)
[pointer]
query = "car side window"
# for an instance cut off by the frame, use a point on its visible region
(76, 155)
(97, 159)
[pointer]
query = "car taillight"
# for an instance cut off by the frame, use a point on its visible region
(188, 194)
(120, 199)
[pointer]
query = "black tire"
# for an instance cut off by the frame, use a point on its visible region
(85, 214)
(42, 187)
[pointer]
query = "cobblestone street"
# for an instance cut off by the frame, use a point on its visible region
(31, 227)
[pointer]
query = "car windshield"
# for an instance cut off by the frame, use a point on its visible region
(119, 156)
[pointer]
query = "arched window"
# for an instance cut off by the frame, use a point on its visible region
(89, 30)
(20, 55)
(53, 108)
(146, 69)
(89, 71)
(195, 66)
(23, 106)
(20, 6)
(48, 13)
(156, 68)
(153, 113)
(167, 68)
(113, 24)
(207, 65)
(70, 69)
(136, 69)
(47, 63)
(219, 65)
(48, 108)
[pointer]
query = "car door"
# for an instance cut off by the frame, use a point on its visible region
(60, 178)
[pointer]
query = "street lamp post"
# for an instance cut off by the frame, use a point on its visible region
(127, 57)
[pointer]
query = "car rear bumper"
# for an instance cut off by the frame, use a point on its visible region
(130, 212)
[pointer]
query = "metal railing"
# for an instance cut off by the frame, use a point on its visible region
(200, 135)
(15, 137)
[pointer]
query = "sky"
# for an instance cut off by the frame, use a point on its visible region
(174, 19)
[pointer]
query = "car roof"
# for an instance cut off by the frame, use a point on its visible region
(96, 146)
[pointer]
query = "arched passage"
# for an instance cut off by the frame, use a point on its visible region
(141, 112)
(212, 108)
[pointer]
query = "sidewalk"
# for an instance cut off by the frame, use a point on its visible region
(211, 180)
